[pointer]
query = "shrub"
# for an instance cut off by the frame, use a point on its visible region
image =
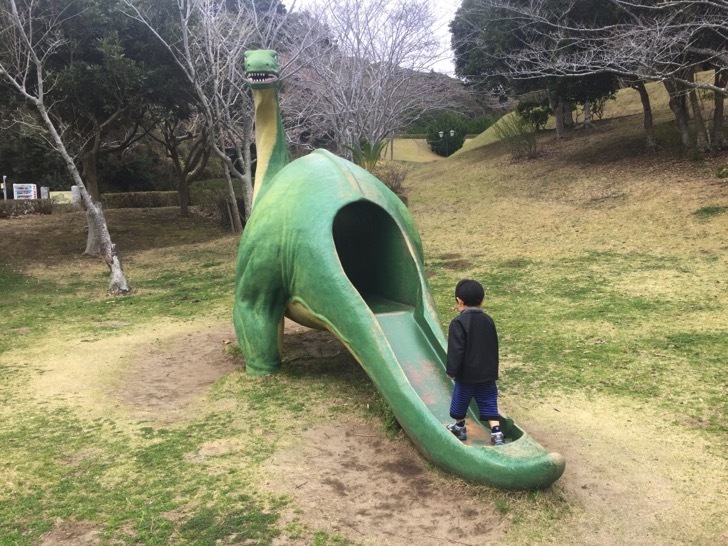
(393, 176)
(140, 200)
(597, 105)
(518, 136)
(534, 113)
(441, 121)
(20, 207)
(366, 154)
(446, 143)
(460, 124)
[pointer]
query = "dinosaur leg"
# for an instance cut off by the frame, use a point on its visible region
(258, 315)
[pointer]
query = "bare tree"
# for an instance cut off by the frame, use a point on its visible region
(370, 75)
(204, 43)
(29, 38)
(187, 145)
(208, 42)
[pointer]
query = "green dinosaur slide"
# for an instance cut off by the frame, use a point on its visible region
(331, 247)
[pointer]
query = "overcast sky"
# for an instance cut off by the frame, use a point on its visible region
(444, 9)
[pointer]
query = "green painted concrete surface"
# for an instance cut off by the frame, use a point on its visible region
(331, 247)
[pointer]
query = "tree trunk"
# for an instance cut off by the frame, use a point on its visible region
(94, 244)
(91, 183)
(183, 189)
(187, 166)
(557, 107)
(648, 121)
(229, 168)
(701, 133)
(651, 139)
(247, 178)
(90, 172)
(237, 225)
(587, 113)
(184, 196)
(679, 108)
(718, 136)
(568, 113)
(195, 164)
(117, 284)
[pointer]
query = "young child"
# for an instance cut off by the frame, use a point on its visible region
(472, 362)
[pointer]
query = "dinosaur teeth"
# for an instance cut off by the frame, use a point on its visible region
(260, 76)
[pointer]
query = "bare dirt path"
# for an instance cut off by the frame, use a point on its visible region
(631, 477)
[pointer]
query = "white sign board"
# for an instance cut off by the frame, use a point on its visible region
(45, 193)
(25, 191)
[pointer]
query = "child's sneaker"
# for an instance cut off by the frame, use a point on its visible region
(460, 432)
(496, 438)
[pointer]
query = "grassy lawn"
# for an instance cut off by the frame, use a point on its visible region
(606, 271)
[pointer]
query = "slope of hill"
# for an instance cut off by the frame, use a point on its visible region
(597, 189)
(606, 269)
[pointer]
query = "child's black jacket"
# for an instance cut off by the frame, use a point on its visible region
(472, 348)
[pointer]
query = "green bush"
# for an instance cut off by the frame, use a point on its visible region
(366, 154)
(535, 113)
(446, 143)
(441, 121)
(20, 207)
(140, 200)
(598, 104)
(461, 126)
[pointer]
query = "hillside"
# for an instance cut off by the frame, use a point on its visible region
(595, 190)
(606, 270)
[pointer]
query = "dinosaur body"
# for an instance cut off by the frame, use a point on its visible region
(331, 247)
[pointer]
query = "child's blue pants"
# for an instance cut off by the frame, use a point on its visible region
(486, 397)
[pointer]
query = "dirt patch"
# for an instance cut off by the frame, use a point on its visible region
(163, 379)
(631, 477)
(71, 533)
(458, 265)
(155, 373)
(351, 480)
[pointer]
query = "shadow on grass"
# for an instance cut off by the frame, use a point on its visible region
(57, 238)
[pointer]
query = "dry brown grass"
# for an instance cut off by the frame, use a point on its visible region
(597, 189)
(593, 206)
(625, 218)
(410, 150)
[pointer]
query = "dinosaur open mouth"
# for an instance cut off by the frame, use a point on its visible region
(261, 77)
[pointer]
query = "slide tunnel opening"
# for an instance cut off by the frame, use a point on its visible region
(375, 257)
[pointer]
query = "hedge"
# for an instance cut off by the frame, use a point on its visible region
(20, 207)
(140, 200)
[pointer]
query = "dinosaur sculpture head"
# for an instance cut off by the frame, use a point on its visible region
(261, 69)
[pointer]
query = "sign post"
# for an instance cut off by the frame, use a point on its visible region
(5, 186)
(25, 191)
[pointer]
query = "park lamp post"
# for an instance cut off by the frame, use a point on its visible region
(442, 134)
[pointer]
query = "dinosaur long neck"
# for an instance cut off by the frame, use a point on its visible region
(269, 138)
